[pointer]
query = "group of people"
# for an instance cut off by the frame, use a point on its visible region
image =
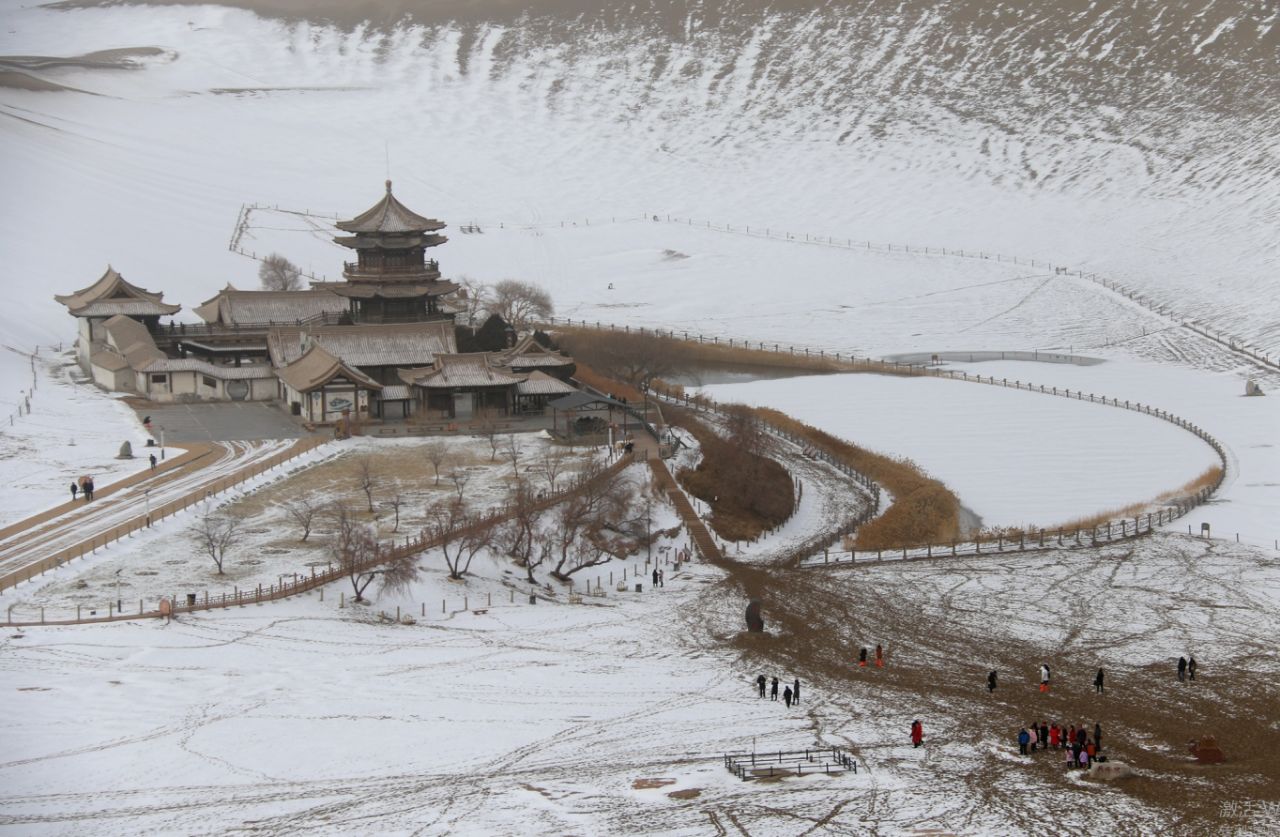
(1098, 680)
(1081, 750)
(862, 657)
(790, 694)
(659, 578)
(1187, 668)
(84, 486)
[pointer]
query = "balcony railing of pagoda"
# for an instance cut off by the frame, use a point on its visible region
(354, 269)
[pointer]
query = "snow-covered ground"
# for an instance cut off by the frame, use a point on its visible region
(73, 429)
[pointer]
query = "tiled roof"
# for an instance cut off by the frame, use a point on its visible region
(318, 367)
(131, 339)
(389, 216)
(108, 359)
(410, 344)
(395, 392)
(540, 383)
(232, 307)
(215, 370)
(530, 354)
(112, 287)
(469, 370)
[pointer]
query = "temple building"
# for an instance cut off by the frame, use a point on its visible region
(380, 345)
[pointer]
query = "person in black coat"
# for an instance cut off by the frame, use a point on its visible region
(1097, 735)
(795, 691)
(74, 489)
(786, 696)
(1182, 668)
(991, 682)
(761, 682)
(774, 693)
(1097, 683)
(1191, 667)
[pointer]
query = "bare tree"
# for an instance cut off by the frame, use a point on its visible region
(578, 526)
(489, 431)
(517, 535)
(460, 477)
(550, 464)
(218, 533)
(520, 302)
(437, 453)
(511, 447)
(303, 510)
(276, 273)
(353, 548)
(367, 477)
(628, 356)
(458, 534)
(475, 298)
(395, 504)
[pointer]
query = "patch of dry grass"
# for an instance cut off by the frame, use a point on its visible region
(923, 510)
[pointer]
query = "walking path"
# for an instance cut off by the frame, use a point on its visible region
(49, 539)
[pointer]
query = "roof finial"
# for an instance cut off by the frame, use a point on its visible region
(388, 187)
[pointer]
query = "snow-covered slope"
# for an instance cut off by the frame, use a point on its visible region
(1133, 141)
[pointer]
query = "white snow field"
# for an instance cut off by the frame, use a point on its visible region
(1133, 141)
(73, 430)
(1015, 458)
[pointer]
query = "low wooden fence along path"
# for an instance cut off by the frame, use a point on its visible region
(172, 605)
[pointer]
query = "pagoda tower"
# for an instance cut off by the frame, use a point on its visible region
(391, 280)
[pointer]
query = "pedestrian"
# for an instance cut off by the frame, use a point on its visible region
(1070, 737)
(1055, 736)
(1024, 738)
(153, 461)
(1191, 667)
(1035, 736)
(1081, 735)
(1071, 759)
(1044, 736)
(879, 656)
(774, 693)
(74, 490)
(917, 733)
(786, 696)
(1182, 668)
(655, 576)
(761, 682)
(88, 489)
(1097, 682)
(1097, 735)
(662, 578)
(862, 657)
(991, 682)
(1044, 677)
(1076, 749)
(1091, 750)
(795, 691)
(1083, 759)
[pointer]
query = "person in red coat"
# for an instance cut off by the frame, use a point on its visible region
(917, 733)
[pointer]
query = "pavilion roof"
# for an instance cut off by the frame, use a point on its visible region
(468, 370)
(529, 353)
(407, 344)
(235, 307)
(389, 216)
(318, 367)
(540, 383)
(112, 295)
